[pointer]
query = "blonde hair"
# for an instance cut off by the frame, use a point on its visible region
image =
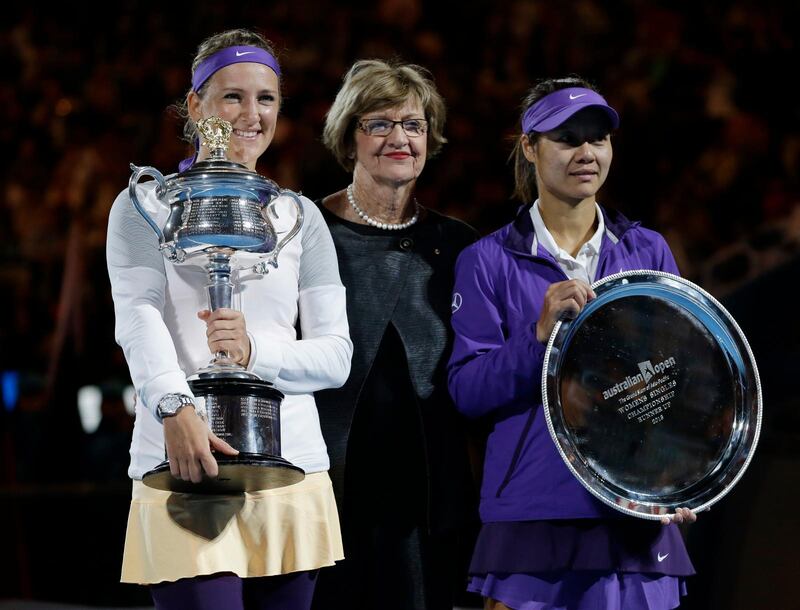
(372, 84)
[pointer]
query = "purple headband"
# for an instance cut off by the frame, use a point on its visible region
(232, 55)
(556, 107)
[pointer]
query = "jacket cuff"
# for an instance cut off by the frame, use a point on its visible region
(156, 389)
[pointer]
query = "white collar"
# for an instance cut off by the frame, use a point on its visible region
(542, 235)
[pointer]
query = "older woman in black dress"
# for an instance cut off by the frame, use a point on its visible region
(398, 449)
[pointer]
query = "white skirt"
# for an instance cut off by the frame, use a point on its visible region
(277, 531)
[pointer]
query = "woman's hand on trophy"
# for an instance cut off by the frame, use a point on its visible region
(227, 332)
(682, 515)
(189, 443)
(563, 300)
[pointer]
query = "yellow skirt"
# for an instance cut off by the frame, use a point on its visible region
(277, 531)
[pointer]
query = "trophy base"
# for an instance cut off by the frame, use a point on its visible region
(237, 474)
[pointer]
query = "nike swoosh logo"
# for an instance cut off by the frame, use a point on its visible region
(662, 558)
(575, 97)
(251, 52)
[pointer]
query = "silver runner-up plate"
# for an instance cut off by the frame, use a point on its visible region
(652, 395)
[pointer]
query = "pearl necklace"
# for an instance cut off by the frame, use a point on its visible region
(391, 226)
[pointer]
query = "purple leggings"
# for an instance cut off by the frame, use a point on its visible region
(285, 592)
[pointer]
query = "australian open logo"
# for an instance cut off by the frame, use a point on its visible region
(647, 370)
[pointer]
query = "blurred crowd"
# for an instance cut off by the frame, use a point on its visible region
(708, 152)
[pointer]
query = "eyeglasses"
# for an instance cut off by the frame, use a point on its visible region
(413, 128)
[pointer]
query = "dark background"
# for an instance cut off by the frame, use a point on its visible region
(707, 154)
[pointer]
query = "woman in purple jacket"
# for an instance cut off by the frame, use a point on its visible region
(546, 542)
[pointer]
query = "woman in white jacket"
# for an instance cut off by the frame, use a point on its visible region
(259, 549)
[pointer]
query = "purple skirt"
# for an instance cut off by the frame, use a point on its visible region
(581, 564)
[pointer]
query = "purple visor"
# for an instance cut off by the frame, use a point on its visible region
(232, 55)
(555, 108)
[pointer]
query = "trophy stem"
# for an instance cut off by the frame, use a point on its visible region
(220, 294)
(220, 287)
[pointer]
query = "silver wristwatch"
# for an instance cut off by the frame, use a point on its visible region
(170, 404)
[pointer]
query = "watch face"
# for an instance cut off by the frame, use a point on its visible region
(169, 405)
(166, 406)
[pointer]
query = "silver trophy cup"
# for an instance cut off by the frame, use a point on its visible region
(217, 209)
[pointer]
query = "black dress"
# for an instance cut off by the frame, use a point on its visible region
(398, 447)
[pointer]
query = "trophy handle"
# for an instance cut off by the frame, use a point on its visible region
(161, 190)
(273, 258)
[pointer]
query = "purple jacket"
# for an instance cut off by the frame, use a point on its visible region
(496, 366)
